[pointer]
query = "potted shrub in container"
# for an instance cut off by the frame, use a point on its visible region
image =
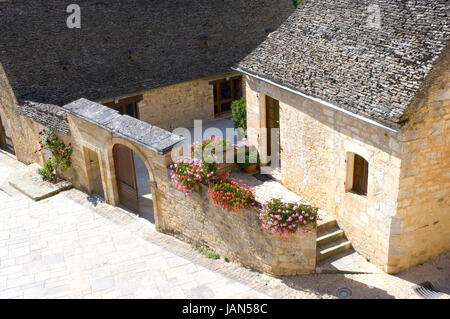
(251, 162)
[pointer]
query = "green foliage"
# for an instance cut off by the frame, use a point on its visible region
(239, 110)
(187, 173)
(60, 152)
(206, 151)
(287, 219)
(207, 252)
(47, 172)
(297, 3)
(231, 195)
(250, 159)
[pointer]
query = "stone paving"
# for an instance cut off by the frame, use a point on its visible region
(75, 246)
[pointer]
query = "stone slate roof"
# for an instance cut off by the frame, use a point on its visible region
(52, 116)
(327, 50)
(142, 133)
(127, 46)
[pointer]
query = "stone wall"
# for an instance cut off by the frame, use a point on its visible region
(25, 136)
(26, 140)
(421, 228)
(237, 236)
(178, 105)
(316, 144)
(7, 101)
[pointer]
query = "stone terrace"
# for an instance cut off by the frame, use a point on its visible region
(267, 188)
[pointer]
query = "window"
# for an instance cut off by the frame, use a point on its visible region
(128, 109)
(225, 92)
(360, 174)
(126, 106)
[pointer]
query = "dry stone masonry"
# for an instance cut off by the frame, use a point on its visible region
(237, 236)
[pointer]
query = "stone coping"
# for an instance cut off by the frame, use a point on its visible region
(30, 183)
(132, 129)
(52, 116)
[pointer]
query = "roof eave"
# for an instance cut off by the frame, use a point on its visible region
(325, 103)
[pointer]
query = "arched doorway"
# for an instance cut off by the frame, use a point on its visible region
(132, 178)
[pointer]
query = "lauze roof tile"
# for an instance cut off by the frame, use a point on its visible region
(336, 51)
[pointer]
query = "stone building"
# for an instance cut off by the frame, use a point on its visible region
(360, 93)
(163, 63)
(115, 88)
(362, 103)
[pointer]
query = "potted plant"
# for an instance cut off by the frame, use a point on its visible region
(251, 162)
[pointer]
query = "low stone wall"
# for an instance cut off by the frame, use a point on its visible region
(237, 236)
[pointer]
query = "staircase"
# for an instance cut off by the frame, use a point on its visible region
(331, 240)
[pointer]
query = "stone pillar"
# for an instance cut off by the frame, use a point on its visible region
(108, 178)
(159, 221)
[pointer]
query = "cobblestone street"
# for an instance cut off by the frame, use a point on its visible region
(75, 246)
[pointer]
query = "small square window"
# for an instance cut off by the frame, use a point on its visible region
(126, 106)
(225, 92)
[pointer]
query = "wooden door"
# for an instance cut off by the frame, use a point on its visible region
(126, 177)
(272, 121)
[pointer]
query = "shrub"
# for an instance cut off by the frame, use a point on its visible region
(297, 3)
(211, 254)
(186, 173)
(287, 218)
(206, 151)
(48, 171)
(60, 158)
(203, 168)
(250, 159)
(230, 195)
(239, 111)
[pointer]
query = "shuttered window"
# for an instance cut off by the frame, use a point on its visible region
(360, 175)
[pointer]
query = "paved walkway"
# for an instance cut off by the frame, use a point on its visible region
(75, 246)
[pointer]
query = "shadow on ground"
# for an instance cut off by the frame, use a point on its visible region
(436, 271)
(332, 284)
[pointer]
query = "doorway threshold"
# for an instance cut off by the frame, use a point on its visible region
(273, 173)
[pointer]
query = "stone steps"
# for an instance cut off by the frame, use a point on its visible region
(333, 250)
(331, 240)
(334, 234)
(10, 190)
(325, 225)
